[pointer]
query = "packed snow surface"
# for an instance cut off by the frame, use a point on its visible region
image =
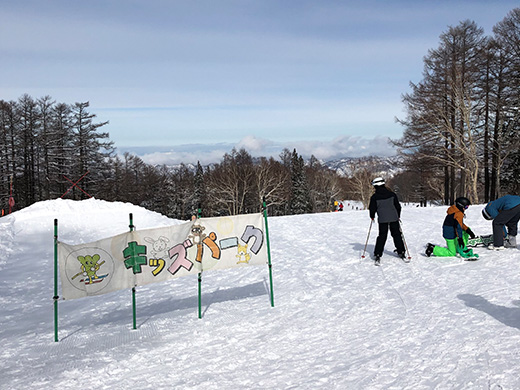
(338, 321)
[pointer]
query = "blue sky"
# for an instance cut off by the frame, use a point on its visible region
(189, 80)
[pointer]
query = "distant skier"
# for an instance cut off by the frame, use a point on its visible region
(385, 203)
(455, 232)
(505, 213)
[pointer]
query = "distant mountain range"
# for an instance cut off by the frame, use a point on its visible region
(385, 166)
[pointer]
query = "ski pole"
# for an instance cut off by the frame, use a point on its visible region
(404, 241)
(368, 235)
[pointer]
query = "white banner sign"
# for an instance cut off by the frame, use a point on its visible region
(155, 255)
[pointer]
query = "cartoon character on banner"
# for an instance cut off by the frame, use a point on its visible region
(197, 236)
(158, 253)
(159, 246)
(242, 255)
(89, 269)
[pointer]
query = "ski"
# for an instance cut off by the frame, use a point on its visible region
(403, 256)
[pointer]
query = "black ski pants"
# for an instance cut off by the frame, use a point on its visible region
(395, 231)
(508, 218)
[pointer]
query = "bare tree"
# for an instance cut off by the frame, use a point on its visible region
(229, 186)
(444, 110)
(92, 147)
(505, 137)
(324, 185)
(362, 172)
(271, 182)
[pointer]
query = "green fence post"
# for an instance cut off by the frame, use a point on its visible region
(268, 253)
(199, 213)
(134, 311)
(56, 297)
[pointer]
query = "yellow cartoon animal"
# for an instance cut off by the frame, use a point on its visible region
(243, 256)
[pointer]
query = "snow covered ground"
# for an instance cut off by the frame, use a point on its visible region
(338, 322)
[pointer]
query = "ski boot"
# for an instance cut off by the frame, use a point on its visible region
(468, 255)
(429, 249)
(510, 242)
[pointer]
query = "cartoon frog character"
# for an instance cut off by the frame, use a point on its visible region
(89, 268)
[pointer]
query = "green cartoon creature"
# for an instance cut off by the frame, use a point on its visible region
(89, 268)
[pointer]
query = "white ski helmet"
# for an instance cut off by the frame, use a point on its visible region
(378, 181)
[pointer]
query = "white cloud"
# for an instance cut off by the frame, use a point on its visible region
(254, 144)
(344, 146)
(191, 155)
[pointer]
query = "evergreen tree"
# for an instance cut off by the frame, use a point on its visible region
(300, 197)
(199, 194)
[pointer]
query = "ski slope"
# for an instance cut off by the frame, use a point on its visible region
(338, 322)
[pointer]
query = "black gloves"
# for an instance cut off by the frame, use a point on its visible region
(471, 234)
(461, 242)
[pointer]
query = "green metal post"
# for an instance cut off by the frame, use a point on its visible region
(134, 311)
(200, 294)
(55, 280)
(268, 253)
(199, 213)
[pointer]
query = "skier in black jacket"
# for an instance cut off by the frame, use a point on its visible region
(385, 203)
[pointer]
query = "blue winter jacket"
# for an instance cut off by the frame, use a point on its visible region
(506, 202)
